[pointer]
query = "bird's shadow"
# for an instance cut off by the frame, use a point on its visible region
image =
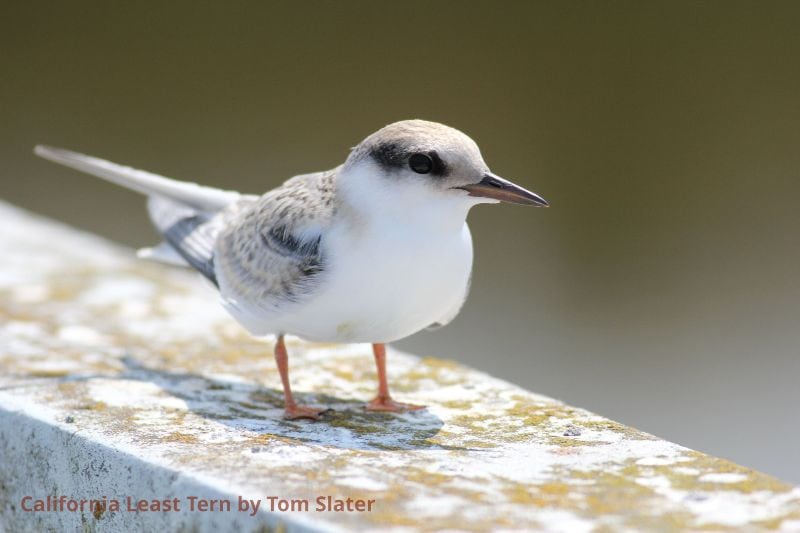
(253, 408)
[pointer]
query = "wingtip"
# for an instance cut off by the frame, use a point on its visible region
(42, 150)
(57, 155)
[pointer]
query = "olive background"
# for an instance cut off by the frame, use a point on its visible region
(661, 289)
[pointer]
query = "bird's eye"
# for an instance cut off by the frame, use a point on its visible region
(420, 163)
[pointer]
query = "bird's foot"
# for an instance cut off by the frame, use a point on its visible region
(387, 404)
(303, 411)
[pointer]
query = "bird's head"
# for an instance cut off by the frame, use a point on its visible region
(427, 160)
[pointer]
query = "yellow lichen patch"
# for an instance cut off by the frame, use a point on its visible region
(608, 493)
(438, 364)
(552, 495)
(94, 406)
(341, 373)
(476, 443)
(443, 437)
(425, 477)
(616, 427)
(238, 356)
(442, 372)
(520, 494)
(63, 292)
(556, 489)
(616, 494)
(669, 521)
(469, 421)
(48, 373)
(612, 495)
(267, 439)
(569, 442)
(478, 429)
(354, 370)
(487, 430)
(538, 413)
(461, 405)
(754, 481)
(184, 438)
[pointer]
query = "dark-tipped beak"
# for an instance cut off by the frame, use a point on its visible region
(497, 188)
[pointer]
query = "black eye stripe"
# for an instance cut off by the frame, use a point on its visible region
(393, 155)
(388, 155)
(439, 166)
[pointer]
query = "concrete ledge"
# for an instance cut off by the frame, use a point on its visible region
(123, 379)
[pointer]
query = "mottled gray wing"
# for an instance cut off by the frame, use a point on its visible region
(190, 232)
(272, 254)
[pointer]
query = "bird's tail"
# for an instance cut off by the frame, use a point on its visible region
(206, 199)
(184, 213)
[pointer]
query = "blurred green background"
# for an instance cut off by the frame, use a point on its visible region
(662, 288)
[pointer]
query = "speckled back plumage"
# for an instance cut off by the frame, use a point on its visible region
(269, 255)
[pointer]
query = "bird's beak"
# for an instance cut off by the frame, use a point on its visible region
(497, 188)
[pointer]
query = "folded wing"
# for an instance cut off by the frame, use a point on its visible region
(271, 257)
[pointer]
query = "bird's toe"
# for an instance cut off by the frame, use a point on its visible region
(391, 406)
(303, 411)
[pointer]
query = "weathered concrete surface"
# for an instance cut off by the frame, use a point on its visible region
(122, 378)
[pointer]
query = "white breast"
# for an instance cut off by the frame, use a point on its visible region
(385, 283)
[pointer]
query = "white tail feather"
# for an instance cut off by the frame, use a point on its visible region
(202, 198)
(163, 253)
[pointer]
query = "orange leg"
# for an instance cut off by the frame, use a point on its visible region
(383, 401)
(291, 409)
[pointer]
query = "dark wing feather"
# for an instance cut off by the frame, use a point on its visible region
(281, 241)
(191, 233)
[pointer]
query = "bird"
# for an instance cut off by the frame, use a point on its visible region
(371, 251)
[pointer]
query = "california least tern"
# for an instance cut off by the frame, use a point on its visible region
(373, 250)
